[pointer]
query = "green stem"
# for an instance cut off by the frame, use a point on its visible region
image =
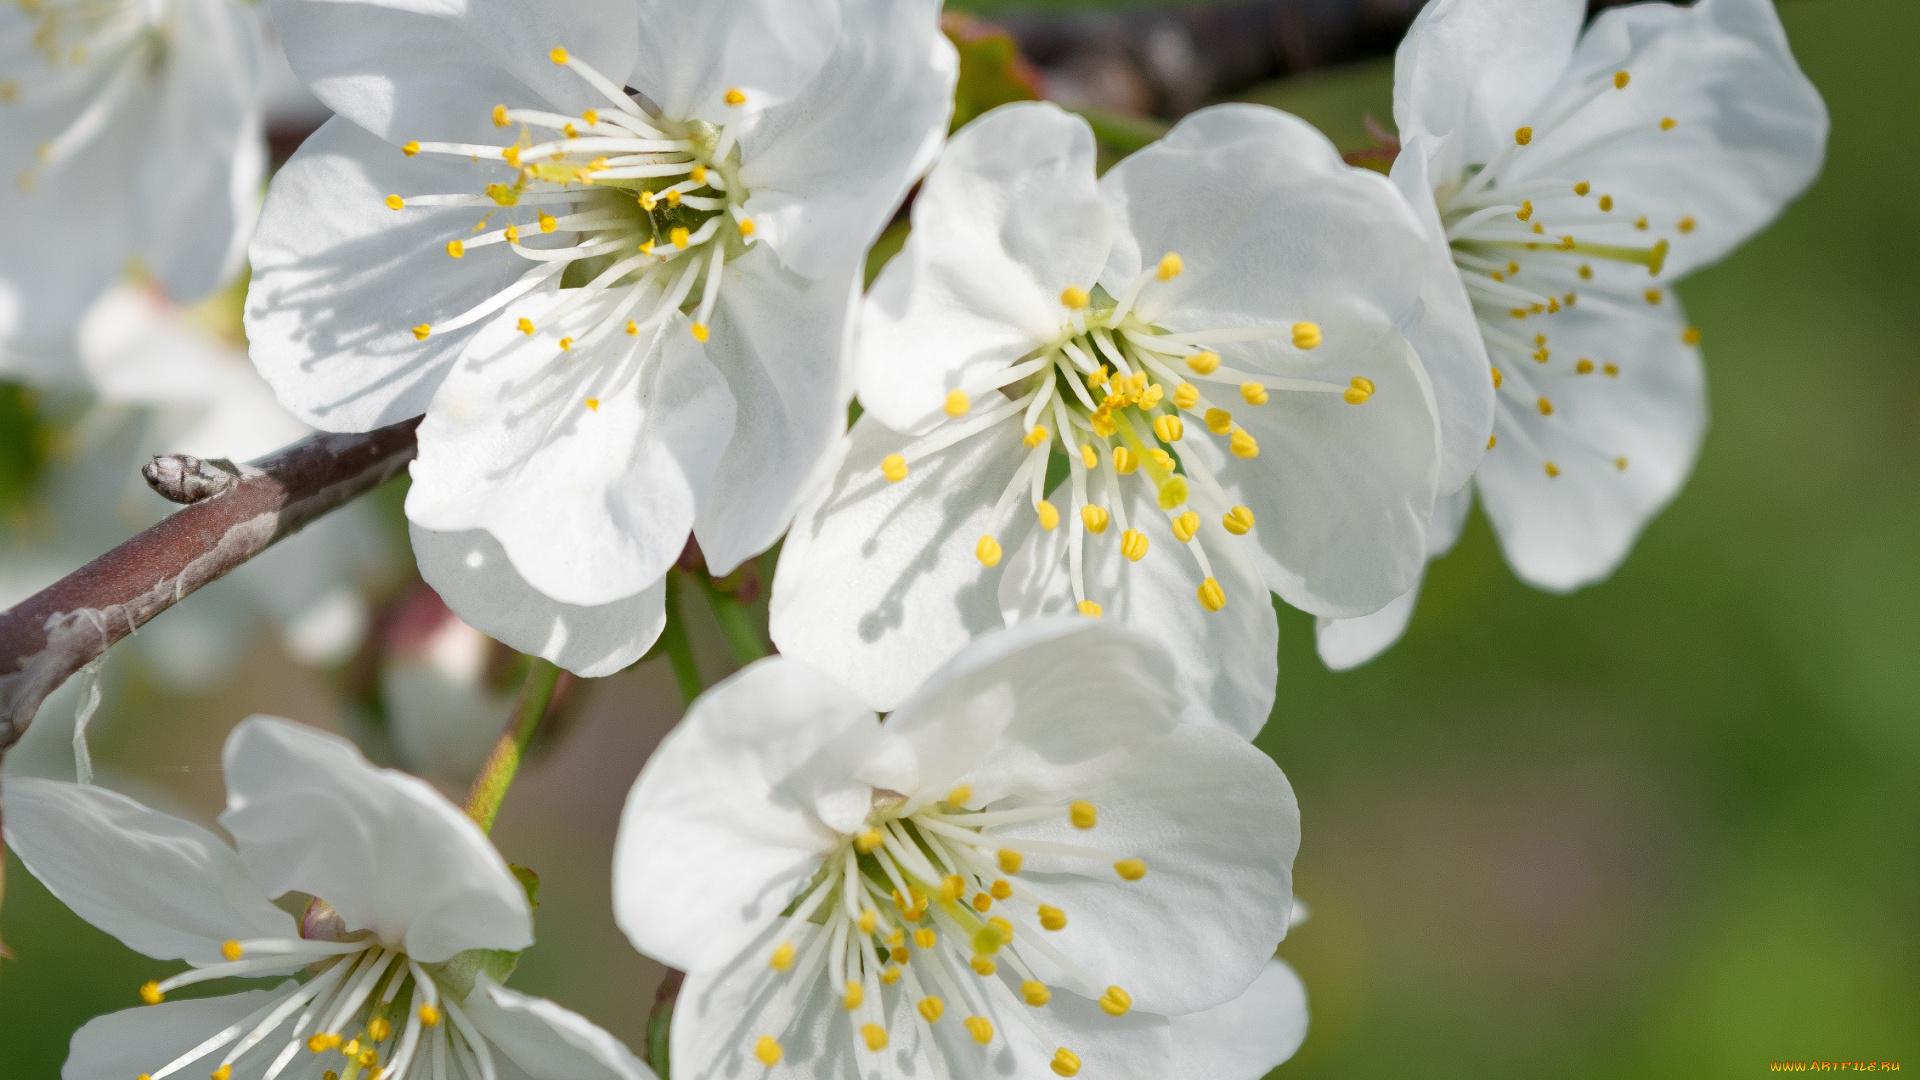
(736, 622)
(490, 787)
(679, 648)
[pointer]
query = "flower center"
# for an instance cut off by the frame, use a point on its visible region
(97, 53)
(622, 204)
(1525, 247)
(923, 902)
(377, 1008)
(1102, 385)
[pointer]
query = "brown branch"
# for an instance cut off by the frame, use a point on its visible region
(48, 637)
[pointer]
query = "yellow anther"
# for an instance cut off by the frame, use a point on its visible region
(321, 1041)
(648, 201)
(1497, 378)
(1254, 393)
(633, 328)
(1653, 296)
(1133, 544)
(1090, 458)
(526, 327)
(1620, 80)
(897, 937)
(232, 950)
(1095, 518)
(430, 1015)
(868, 920)
(932, 1009)
(1641, 223)
(1553, 304)
(982, 965)
(353, 1049)
(1361, 388)
(1075, 298)
(224, 1072)
(456, 249)
(1161, 458)
(1204, 363)
(1546, 407)
(1102, 422)
(1687, 224)
(1169, 428)
(1115, 1002)
(767, 1051)
(380, 1029)
(1518, 313)
(1525, 213)
(1552, 470)
(1170, 267)
(1243, 445)
(1036, 993)
(782, 958)
(421, 332)
(855, 997)
(868, 840)
(1620, 463)
(1185, 525)
(1052, 918)
(566, 344)
(982, 902)
(512, 233)
(981, 1029)
(1038, 435)
(1582, 188)
(1048, 513)
(500, 116)
(548, 222)
(702, 332)
(1668, 123)
(1186, 396)
(367, 1059)
(1010, 862)
(570, 131)
(1584, 367)
(1491, 440)
(1612, 369)
(1523, 136)
(1065, 1062)
(673, 197)
(1151, 395)
(736, 97)
(679, 237)
(1219, 421)
(951, 888)
(1173, 493)
(958, 403)
(1606, 204)
(1690, 336)
(410, 149)
(960, 795)
(893, 467)
(559, 56)
(150, 993)
(925, 938)
(1238, 521)
(395, 202)
(1123, 461)
(1090, 610)
(1213, 598)
(1099, 377)
(591, 116)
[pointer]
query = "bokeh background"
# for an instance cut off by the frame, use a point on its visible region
(1667, 827)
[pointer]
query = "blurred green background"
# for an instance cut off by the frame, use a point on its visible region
(1668, 827)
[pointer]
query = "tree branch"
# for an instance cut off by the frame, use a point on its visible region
(46, 638)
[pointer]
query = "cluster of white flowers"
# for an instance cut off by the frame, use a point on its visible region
(614, 252)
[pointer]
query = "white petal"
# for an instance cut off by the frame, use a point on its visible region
(200, 182)
(164, 887)
(385, 849)
(471, 573)
(884, 100)
(585, 465)
(1562, 533)
(1008, 219)
(781, 342)
(1345, 644)
(692, 54)
(1011, 714)
(1444, 332)
(878, 583)
(1226, 659)
(733, 811)
(1475, 70)
(434, 69)
(1341, 493)
(721, 1015)
(340, 281)
(1248, 1036)
(1216, 824)
(1750, 130)
(546, 1041)
(134, 1042)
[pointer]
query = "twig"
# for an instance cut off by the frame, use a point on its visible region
(48, 637)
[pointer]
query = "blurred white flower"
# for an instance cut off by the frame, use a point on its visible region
(129, 132)
(1577, 176)
(146, 377)
(441, 708)
(1208, 337)
(623, 314)
(414, 921)
(1028, 866)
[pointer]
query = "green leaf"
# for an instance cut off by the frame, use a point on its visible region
(529, 881)
(992, 71)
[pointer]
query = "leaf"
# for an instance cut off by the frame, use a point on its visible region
(992, 71)
(529, 881)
